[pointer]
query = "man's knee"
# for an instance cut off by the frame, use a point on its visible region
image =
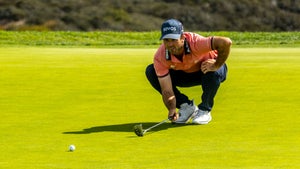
(211, 82)
(150, 71)
(152, 77)
(216, 77)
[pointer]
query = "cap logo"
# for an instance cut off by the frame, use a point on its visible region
(172, 28)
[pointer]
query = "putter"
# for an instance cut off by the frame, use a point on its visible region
(138, 129)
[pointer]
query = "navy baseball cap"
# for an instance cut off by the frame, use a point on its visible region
(171, 29)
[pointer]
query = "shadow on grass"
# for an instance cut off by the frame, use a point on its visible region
(127, 127)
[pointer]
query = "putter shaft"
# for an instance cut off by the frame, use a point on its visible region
(164, 121)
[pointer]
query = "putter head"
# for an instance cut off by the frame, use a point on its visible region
(138, 129)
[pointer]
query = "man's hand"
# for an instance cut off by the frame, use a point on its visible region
(173, 115)
(208, 66)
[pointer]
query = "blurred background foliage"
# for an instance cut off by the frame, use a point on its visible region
(147, 15)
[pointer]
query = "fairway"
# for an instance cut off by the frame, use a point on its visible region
(51, 98)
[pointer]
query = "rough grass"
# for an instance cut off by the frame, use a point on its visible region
(138, 39)
(53, 97)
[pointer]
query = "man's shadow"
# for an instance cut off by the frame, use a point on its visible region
(126, 127)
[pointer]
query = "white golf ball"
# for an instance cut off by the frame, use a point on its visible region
(72, 148)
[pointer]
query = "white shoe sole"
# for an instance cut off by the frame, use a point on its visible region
(202, 122)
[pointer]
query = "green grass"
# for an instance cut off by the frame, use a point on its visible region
(138, 39)
(53, 97)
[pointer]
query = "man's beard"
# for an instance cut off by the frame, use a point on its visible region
(175, 51)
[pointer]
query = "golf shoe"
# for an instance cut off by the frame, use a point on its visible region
(202, 117)
(186, 112)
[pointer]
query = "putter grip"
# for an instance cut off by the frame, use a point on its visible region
(171, 117)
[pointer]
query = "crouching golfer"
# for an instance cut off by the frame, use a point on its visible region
(187, 59)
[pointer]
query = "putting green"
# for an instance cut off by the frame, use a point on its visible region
(51, 98)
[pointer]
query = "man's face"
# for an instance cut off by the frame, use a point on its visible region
(174, 46)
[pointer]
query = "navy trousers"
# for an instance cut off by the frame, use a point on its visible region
(210, 83)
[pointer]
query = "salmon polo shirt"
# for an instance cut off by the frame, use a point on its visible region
(200, 49)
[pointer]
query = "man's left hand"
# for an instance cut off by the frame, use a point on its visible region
(208, 66)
